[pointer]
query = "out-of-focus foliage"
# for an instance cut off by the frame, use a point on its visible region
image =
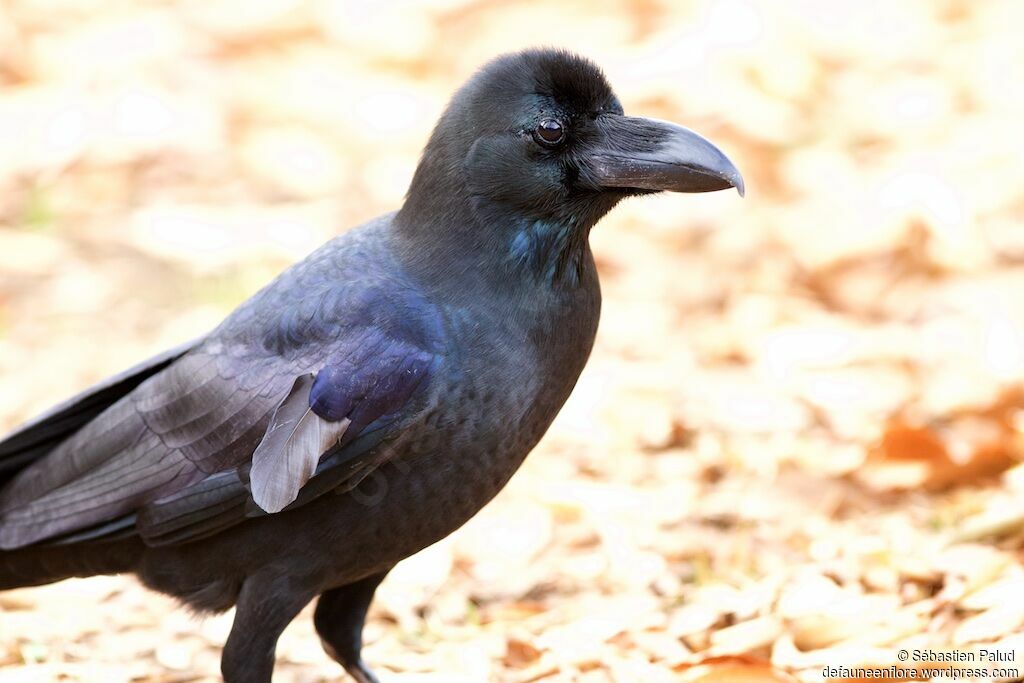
(796, 443)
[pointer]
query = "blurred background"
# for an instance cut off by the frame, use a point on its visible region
(797, 443)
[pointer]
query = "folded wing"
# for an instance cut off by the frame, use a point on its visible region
(190, 448)
(313, 375)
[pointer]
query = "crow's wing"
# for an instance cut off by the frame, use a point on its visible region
(171, 459)
(39, 436)
(194, 418)
(353, 405)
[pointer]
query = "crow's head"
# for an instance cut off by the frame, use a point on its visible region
(539, 136)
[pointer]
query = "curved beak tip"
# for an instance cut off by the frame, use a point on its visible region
(727, 171)
(737, 182)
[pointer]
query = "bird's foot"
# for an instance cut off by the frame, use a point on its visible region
(361, 673)
(357, 670)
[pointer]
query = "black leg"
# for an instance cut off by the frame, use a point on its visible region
(265, 607)
(339, 618)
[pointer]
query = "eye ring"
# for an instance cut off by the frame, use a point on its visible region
(549, 133)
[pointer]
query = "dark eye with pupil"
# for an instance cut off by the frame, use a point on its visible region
(549, 133)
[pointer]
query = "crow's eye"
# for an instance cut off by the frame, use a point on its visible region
(549, 133)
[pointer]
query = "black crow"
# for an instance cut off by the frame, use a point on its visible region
(372, 398)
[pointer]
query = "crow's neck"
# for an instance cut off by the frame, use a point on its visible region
(550, 251)
(471, 243)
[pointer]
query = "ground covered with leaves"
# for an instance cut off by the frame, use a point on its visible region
(798, 442)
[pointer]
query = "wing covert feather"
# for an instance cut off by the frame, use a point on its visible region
(291, 448)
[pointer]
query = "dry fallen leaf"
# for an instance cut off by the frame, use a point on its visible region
(520, 654)
(732, 669)
(911, 456)
(746, 636)
(1002, 620)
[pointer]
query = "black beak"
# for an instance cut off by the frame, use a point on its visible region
(646, 154)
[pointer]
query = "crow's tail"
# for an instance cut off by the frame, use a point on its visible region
(46, 564)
